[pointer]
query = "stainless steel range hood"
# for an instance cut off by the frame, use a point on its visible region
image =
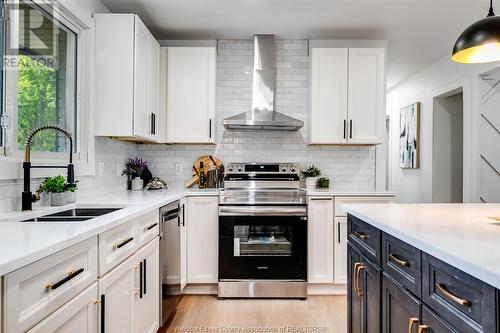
(263, 116)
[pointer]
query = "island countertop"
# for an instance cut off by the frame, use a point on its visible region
(462, 235)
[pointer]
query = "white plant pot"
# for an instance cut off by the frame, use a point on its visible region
(58, 199)
(71, 197)
(311, 182)
(137, 184)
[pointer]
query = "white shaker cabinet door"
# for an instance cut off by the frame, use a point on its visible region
(366, 95)
(183, 244)
(202, 239)
(340, 259)
(117, 291)
(320, 240)
(191, 95)
(142, 119)
(79, 315)
(147, 302)
(328, 118)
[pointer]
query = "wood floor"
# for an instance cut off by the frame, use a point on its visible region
(208, 314)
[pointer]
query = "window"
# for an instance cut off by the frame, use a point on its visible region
(41, 76)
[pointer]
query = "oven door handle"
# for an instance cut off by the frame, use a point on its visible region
(263, 211)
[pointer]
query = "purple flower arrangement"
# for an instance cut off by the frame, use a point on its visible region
(135, 167)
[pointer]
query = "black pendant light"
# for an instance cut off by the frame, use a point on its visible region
(480, 42)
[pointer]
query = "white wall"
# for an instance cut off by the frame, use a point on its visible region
(415, 185)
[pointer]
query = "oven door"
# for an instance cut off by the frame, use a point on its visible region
(262, 242)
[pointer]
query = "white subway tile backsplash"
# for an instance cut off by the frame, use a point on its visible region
(350, 168)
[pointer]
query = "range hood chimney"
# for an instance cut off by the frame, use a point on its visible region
(263, 116)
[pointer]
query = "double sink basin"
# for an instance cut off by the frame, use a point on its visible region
(73, 215)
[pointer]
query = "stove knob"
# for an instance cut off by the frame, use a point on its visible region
(284, 168)
(230, 168)
(240, 168)
(292, 168)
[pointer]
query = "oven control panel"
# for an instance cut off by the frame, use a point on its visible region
(283, 168)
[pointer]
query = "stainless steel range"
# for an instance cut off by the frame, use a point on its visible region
(262, 232)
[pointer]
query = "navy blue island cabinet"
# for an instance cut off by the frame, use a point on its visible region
(394, 287)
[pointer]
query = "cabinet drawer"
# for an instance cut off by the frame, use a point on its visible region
(147, 227)
(340, 201)
(365, 238)
(467, 303)
(435, 324)
(34, 292)
(402, 262)
(116, 245)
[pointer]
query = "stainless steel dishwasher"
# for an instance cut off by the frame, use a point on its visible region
(172, 220)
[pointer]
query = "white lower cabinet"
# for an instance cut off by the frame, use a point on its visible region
(320, 240)
(147, 304)
(183, 245)
(34, 292)
(77, 316)
(116, 292)
(202, 214)
(129, 293)
(340, 251)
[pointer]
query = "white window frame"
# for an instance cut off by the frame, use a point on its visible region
(70, 13)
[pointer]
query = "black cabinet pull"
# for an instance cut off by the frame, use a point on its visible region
(210, 128)
(140, 279)
(345, 128)
(350, 129)
(103, 313)
(154, 123)
(144, 279)
(122, 244)
(183, 216)
(71, 275)
(338, 232)
(151, 226)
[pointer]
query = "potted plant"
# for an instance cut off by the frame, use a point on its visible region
(61, 193)
(134, 169)
(311, 175)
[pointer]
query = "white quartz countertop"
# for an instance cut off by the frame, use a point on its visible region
(462, 235)
(22, 243)
(345, 193)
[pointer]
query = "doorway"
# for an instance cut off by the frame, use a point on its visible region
(448, 148)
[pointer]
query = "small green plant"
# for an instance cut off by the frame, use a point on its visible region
(57, 184)
(311, 171)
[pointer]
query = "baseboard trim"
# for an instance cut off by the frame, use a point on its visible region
(326, 289)
(312, 289)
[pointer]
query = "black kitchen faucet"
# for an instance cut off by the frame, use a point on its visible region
(27, 196)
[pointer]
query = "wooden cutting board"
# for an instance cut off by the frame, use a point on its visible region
(208, 161)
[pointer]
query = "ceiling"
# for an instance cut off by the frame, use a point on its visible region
(419, 32)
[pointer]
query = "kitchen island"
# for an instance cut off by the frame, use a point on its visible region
(423, 267)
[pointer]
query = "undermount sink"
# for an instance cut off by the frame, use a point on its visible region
(73, 215)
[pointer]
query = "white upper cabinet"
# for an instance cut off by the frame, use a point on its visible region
(366, 96)
(328, 96)
(347, 96)
(126, 78)
(190, 95)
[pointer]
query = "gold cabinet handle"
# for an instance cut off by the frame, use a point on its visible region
(395, 258)
(413, 321)
(361, 235)
(355, 276)
(444, 290)
(422, 328)
(358, 289)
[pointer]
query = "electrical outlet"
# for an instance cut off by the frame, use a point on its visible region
(178, 169)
